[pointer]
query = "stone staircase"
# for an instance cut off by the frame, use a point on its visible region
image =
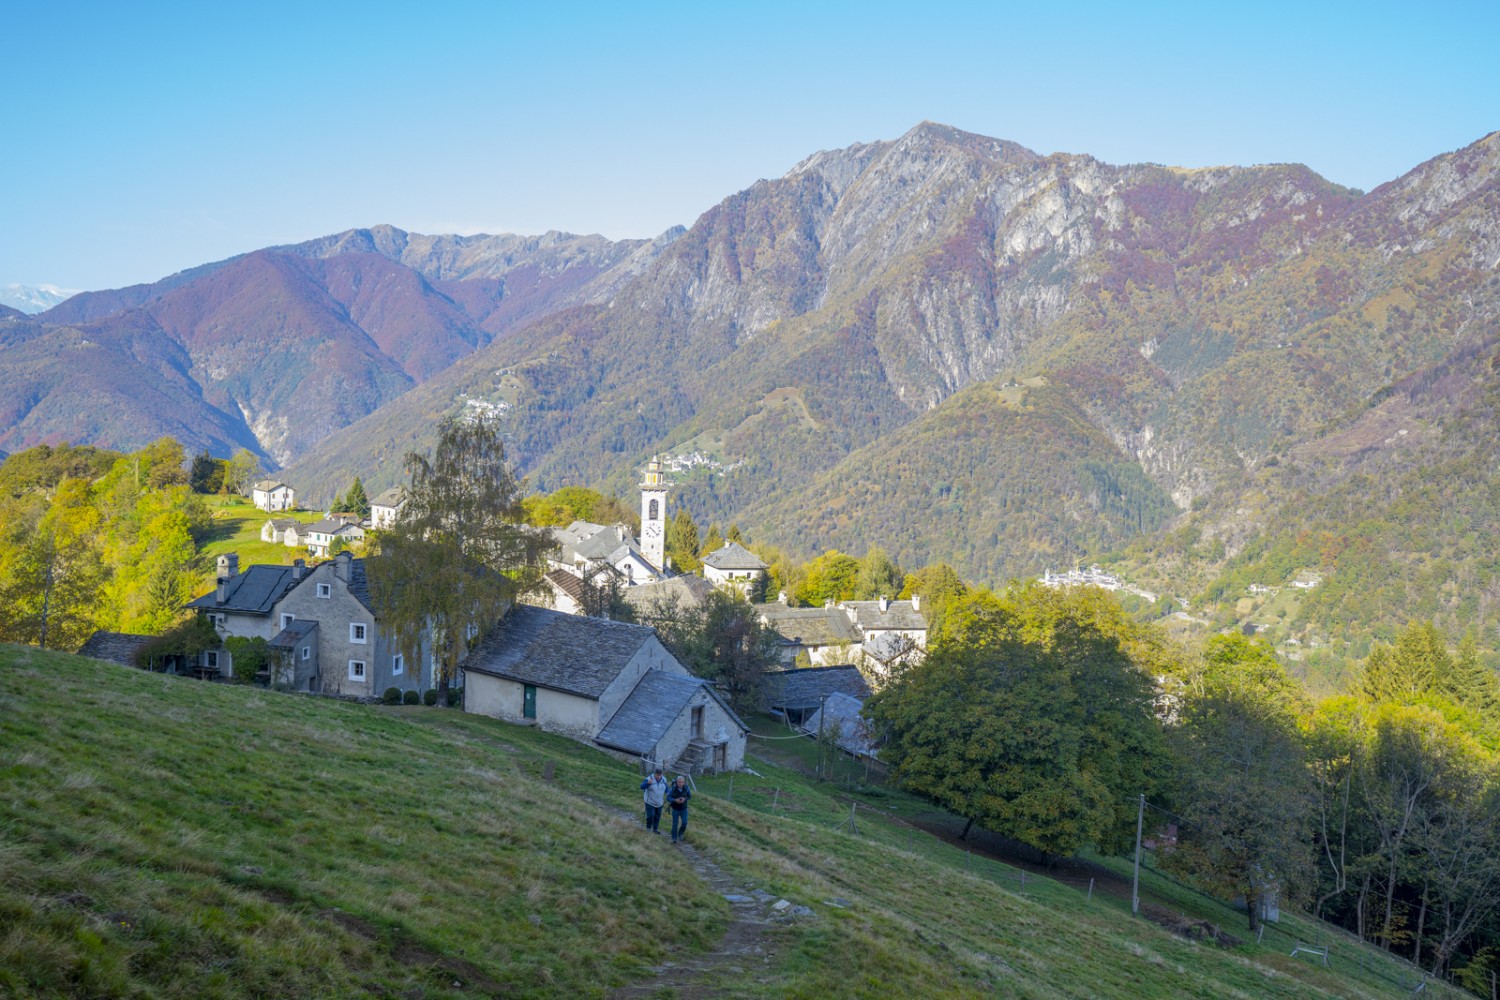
(695, 758)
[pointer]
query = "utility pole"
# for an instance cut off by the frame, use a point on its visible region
(1135, 886)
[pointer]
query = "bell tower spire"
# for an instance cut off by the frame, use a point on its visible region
(654, 515)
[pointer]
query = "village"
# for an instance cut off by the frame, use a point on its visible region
(547, 662)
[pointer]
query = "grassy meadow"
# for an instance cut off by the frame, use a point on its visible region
(162, 837)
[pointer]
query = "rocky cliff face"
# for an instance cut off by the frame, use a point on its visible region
(1194, 333)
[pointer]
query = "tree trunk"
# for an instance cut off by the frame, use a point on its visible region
(1252, 908)
(965, 834)
(1359, 910)
(1416, 951)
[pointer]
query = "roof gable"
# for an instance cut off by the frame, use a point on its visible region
(568, 653)
(734, 556)
(806, 688)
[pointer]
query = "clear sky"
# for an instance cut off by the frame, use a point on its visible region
(144, 138)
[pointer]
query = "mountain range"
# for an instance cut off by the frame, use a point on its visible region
(945, 344)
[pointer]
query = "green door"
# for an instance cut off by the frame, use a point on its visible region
(528, 706)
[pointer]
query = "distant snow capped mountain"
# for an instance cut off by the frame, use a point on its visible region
(34, 298)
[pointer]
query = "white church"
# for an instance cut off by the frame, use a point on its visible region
(595, 553)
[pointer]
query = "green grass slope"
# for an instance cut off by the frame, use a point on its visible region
(167, 838)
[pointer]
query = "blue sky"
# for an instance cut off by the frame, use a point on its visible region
(146, 138)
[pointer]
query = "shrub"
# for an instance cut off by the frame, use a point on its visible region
(410, 698)
(455, 697)
(392, 696)
(429, 697)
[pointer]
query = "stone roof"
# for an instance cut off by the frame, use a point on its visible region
(806, 688)
(393, 497)
(657, 702)
(897, 615)
(843, 711)
(734, 556)
(267, 485)
(330, 525)
(283, 523)
(254, 591)
(116, 647)
(566, 582)
(689, 592)
(809, 626)
(295, 631)
(568, 653)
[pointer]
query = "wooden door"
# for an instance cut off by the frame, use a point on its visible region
(528, 701)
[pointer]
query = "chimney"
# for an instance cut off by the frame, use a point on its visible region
(885, 604)
(341, 564)
(916, 602)
(229, 565)
(220, 593)
(828, 605)
(298, 567)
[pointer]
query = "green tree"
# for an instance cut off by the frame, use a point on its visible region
(1243, 786)
(878, 576)
(54, 570)
(355, 501)
(206, 475)
(1417, 664)
(460, 552)
(722, 640)
(938, 586)
(1028, 719)
(712, 542)
(682, 543)
(832, 576)
(241, 472)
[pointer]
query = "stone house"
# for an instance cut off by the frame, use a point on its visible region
(385, 508)
(273, 495)
(321, 534)
(735, 566)
(320, 619)
(606, 683)
(827, 635)
(795, 695)
(287, 530)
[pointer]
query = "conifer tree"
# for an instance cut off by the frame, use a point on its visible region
(682, 544)
(355, 501)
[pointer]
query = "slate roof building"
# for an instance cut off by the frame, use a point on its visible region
(273, 495)
(116, 647)
(737, 567)
(385, 508)
(592, 550)
(840, 714)
(686, 591)
(827, 635)
(346, 653)
(576, 675)
(797, 694)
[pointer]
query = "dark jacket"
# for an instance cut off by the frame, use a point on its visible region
(677, 798)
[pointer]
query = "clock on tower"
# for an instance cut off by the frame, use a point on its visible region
(654, 514)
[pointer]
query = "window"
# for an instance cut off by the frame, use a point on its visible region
(325, 590)
(211, 659)
(357, 632)
(356, 670)
(287, 619)
(398, 665)
(652, 511)
(307, 652)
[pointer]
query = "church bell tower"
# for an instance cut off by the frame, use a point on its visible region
(654, 515)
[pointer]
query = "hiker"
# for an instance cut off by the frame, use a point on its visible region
(655, 789)
(677, 798)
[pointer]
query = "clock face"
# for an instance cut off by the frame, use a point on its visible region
(653, 530)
